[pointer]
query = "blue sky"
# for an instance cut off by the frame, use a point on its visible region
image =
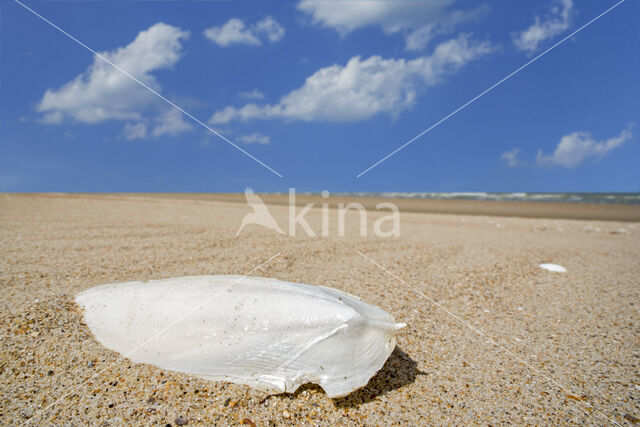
(319, 91)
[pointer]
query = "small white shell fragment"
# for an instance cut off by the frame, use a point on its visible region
(554, 267)
(261, 332)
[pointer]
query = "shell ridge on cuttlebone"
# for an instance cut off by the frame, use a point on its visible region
(310, 344)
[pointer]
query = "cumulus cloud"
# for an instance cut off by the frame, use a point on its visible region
(419, 38)
(172, 123)
(363, 87)
(577, 147)
(419, 21)
(542, 29)
(254, 138)
(235, 31)
(104, 93)
(270, 28)
(252, 94)
(135, 131)
(510, 158)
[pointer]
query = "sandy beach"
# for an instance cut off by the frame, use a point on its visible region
(492, 338)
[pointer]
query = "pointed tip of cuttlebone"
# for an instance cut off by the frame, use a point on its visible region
(399, 326)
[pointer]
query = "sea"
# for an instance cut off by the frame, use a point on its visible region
(598, 198)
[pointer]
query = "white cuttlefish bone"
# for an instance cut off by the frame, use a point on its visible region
(261, 332)
(554, 267)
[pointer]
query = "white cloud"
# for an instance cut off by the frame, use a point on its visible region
(270, 28)
(252, 94)
(254, 138)
(135, 130)
(542, 29)
(393, 16)
(362, 88)
(418, 20)
(510, 158)
(235, 31)
(171, 122)
(577, 147)
(104, 93)
(419, 38)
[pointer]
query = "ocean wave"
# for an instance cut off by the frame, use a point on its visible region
(598, 198)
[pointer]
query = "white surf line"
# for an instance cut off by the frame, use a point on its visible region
(145, 342)
(148, 88)
(489, 89)
(482, 334)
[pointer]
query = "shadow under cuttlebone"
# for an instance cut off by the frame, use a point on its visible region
(398, 371)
